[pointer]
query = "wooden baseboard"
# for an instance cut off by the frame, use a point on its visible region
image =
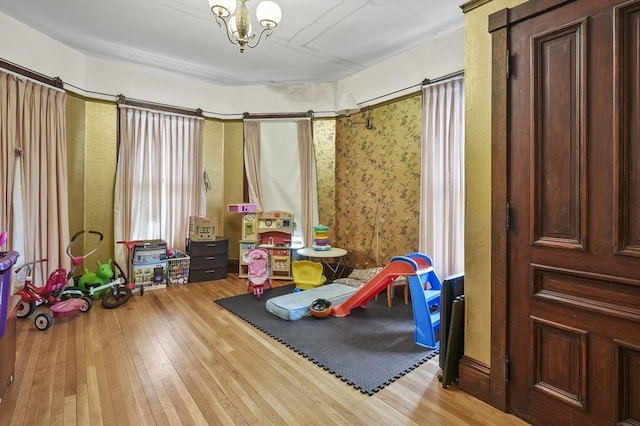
(233, 266)
(474, 378)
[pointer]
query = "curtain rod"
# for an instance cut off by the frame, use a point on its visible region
(122, 100)
(388, 94)
(428, 81)
(249, 116)
(33, 75)
(424, 82)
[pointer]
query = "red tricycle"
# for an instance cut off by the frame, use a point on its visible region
(53, 293)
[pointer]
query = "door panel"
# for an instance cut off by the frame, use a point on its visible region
(627, 130)
(558, 169)
(574, 191)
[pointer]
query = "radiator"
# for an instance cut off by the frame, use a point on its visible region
(455, 344)
(451, 327)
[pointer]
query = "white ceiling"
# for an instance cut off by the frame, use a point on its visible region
(316, 40)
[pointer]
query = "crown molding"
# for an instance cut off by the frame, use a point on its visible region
(472, 4)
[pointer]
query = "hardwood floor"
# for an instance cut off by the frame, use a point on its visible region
(174, 357)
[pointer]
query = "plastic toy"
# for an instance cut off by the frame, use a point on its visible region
(89, 279)
(307, 274)
(258, 271)
(50, 294)
(54, 293)
(320, 308)
(321, 238)
(425, 288)
(114, 293)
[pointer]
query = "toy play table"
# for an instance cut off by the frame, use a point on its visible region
(324, 255)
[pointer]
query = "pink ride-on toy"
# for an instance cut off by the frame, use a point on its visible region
(55, 294)
(258, 271)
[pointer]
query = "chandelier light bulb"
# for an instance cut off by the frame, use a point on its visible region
(222, 8)
(269, 14)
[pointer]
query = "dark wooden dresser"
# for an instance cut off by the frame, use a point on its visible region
(208, 260)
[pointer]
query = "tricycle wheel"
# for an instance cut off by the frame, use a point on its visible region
(43, 321)
(116, 297)
(86, 307)
(25, 309)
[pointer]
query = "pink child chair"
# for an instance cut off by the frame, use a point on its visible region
(258, 271)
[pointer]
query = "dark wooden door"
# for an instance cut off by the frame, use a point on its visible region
(574, 194)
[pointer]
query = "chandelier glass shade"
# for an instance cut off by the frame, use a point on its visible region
(238, 26)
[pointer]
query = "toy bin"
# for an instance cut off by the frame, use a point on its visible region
(7, 260)
(178, 269)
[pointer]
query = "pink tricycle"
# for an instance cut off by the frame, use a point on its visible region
(62, 304)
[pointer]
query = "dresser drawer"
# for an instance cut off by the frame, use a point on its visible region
(203, 248)
(199, 275)
(209, 261)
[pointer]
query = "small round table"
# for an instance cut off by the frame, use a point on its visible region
(323, 255)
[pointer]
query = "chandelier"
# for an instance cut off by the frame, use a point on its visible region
(238, 26)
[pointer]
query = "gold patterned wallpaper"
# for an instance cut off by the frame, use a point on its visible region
(76, 130)
(377, 183)
(91, 156)
(324, 136)
(232, 163)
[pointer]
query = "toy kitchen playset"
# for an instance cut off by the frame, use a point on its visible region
(271, 231)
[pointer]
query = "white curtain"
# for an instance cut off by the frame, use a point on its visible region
(308, 181)
(442, 187)
(159, 177)
(33, 173)
(281, 170)
(252, 161)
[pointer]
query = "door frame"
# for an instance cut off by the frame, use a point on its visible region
(499, 24)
